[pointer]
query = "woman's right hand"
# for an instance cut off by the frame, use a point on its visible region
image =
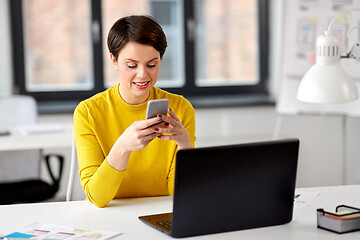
(139, 134)
(136, 137)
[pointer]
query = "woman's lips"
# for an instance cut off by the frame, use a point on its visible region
(141, 85)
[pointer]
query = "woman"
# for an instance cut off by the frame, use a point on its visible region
(121, 154)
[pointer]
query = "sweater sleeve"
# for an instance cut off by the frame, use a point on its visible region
(99, 180)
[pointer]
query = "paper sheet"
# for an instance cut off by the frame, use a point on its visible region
(55, 232)
(303, 199)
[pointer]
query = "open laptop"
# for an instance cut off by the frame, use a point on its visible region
(228, 188)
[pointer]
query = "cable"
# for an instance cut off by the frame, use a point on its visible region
(342, 13)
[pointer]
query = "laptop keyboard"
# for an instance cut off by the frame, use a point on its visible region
(165, 224)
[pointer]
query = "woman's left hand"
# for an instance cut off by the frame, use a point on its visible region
(174, 130)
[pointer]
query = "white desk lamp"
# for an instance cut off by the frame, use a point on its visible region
(327, 81)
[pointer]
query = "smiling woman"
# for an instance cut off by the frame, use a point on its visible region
(136, 45)
(121, 154)
(138, 66)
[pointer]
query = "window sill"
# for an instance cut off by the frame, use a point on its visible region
(53, 107)
(230, 101)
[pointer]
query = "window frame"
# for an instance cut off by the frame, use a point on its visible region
(189, 90)
(19, 58)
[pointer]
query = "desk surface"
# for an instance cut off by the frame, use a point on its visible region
(122, 216)
(19, 141)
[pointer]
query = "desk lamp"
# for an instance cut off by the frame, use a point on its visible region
(327, 81)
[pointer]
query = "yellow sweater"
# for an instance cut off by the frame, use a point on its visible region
(99, 121)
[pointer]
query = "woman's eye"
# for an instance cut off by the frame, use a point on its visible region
(151, 65)
(131, 66)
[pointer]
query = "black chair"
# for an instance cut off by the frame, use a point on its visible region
(32, 190)
(20, 171)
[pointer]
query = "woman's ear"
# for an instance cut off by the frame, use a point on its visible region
(113, 60)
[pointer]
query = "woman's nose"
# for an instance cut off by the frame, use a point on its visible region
(141, 74)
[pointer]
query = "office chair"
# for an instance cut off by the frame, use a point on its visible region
(74, 189)
(20, 170)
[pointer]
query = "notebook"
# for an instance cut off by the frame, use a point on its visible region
(228, 188)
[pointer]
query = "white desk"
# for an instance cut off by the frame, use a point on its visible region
(18, 141)
(121, 216)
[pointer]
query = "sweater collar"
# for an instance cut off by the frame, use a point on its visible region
(121, 102)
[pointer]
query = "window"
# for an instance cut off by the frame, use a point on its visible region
(226, 43)
(167, 13)
(57, 48)
(215, 47)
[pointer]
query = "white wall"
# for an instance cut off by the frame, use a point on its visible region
(329, 154)
(276, 45)
(219, 126)
(5, 50)
(322, 159)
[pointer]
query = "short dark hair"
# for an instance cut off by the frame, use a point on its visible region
(142, 29)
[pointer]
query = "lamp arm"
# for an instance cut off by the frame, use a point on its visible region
(354, 52)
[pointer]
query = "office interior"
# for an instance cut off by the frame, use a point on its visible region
(324, 159)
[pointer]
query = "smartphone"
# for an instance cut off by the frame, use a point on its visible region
(156, 106)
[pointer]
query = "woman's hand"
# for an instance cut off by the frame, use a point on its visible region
(136, 137)
(174, 130)
(139, 134)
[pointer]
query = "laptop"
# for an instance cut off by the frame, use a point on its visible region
(228, 188)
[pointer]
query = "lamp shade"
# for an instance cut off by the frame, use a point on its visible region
(327, 81)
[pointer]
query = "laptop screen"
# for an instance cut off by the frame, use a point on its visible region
(227, 188)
